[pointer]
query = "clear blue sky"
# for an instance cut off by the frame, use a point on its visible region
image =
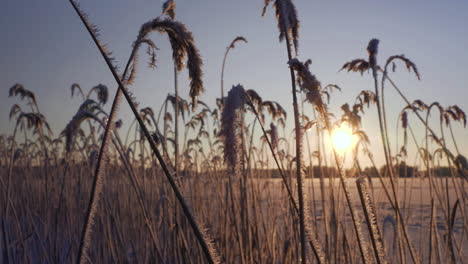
(45, 47)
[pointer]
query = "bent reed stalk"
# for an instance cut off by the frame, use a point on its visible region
(205, 243)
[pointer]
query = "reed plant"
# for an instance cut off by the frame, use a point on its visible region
(228, 181)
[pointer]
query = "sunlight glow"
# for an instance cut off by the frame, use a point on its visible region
(342, 139)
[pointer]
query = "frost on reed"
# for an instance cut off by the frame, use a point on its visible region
(194, 61)
(86, 110)
(286, 15)
(73, 128)
(312, 87)
(183, 47)
(98, 182)
(308, 83)
(361, 65)
(102, 93)
(369, 213)
(231, 128)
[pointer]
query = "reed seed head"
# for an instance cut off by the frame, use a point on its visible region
(169, 8)
(408, 63)
(288, 23)
(183, 46)
(373, 47)
(237, 39)
(231, 127)
(18, 89)
(102, 93)
(404, 119)
(308, 82)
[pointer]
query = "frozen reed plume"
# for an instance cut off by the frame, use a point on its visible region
(288, 23)
(87, 110)
(308, 82)
(183, 47)
(231, 128)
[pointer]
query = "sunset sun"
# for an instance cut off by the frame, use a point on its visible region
(342, 139)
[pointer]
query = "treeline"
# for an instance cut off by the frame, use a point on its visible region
(403, 171)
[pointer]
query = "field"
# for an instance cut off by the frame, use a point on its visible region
(46, 233)
(233, 181)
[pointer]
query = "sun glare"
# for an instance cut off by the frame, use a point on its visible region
(342, 139)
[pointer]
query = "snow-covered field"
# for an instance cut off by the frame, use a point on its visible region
(50, 232)
(414, 197)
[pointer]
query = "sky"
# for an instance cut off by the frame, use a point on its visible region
(45, 47)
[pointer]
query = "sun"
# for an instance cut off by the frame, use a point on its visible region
(342, 139)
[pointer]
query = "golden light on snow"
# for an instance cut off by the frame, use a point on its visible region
(342, 139)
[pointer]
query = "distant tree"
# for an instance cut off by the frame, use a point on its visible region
(406, 171)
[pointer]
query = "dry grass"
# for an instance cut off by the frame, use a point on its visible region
(220, 189)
